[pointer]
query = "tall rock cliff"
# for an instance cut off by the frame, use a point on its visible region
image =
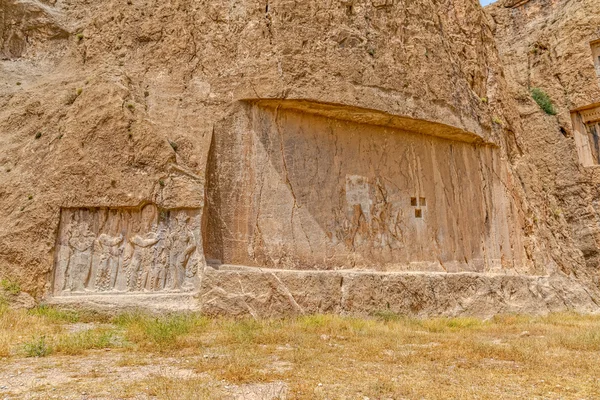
(214, 149)
(546, 45)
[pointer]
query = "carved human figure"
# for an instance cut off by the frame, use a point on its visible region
(158, 273)
(81, 243)
(63, 256)
(139, 265)
(181, 244)
(109, 250)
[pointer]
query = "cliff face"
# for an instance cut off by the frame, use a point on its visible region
(548, 45)
(147, 144)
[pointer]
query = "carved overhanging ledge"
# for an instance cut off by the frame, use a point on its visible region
(373, 117)
(366, 272)
(589, 112)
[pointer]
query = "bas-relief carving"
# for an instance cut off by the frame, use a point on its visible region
(330, 194)
(128, 251)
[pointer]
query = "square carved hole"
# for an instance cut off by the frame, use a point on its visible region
(423, 202)
(413, 201)
(418, 213)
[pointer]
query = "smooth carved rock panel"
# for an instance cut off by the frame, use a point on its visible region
(292, 190)
(148, 250)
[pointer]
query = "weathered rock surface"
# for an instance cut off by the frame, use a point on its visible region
(16, 300)
(546, 44)
(274, 293)
(25, 24)
(352, 140)
(290, 189)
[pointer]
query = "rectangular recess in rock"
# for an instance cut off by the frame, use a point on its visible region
(127, 250)
(586, 133)
(595, 45)
(295, 188)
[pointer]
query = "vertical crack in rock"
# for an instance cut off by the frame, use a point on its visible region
(244, 296)
(286, 292)
(258, 233)
(288, 182)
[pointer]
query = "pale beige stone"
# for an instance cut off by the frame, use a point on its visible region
(261, 293)
(288, 189)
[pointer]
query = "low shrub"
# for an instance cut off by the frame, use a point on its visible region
(543, 100)
(38, 347)
(162, 332)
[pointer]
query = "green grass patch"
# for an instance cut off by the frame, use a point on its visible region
(543, 100)
(10, 286)
(243, 331)
(390, 316)
(37, 347)
(55, 315)
(162, 332)
(438, 325)
(77, 343)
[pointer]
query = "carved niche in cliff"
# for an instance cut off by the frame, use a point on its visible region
(127, 250)
(303, 185)
(586, 128)
(595, 45)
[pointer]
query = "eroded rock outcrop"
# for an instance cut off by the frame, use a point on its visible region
(28, 23)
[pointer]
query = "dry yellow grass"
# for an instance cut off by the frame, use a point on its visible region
(320, 357)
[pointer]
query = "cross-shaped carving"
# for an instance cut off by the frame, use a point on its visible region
(418, 203)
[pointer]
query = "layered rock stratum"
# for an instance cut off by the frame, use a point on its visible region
(280, 157)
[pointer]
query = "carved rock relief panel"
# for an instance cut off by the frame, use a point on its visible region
(293, 190)
(128, 250)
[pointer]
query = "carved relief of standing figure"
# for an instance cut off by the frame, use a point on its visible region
(141, 259)
(181, 246)
(158, 272)
(110, 250)
(81, 243)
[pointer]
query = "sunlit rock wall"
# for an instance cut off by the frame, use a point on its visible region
(549, 45)
(295, 190)
(364, 135)
(125, 96)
